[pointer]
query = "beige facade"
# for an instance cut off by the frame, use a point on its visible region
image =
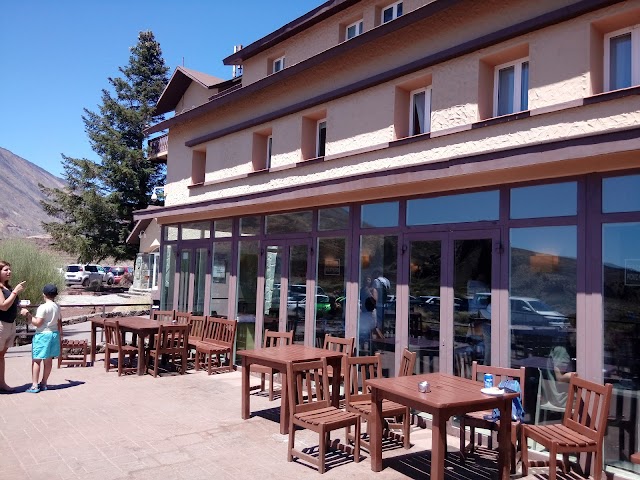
(255, 158)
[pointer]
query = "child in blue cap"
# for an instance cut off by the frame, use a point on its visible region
(46, 343)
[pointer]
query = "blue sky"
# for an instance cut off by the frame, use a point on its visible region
(57, 56)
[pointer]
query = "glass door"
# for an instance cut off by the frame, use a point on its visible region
(192, 283)
(287, 270)
(450, 280)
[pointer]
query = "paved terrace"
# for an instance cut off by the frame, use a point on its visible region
(96, 425)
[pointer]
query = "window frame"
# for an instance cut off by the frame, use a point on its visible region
(359, 24)
(517, 87)
(280, 59)
(634, 30)
(320, 121)
(427, 110)
(394, 6)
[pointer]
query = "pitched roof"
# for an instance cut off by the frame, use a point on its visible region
(178, 84)
(307, 20)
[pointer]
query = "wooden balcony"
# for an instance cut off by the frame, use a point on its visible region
(158, 148)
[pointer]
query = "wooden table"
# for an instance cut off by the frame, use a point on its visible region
(278, 358)
(140, 326)
(449, 395)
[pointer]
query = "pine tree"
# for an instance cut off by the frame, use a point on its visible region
(94, 213)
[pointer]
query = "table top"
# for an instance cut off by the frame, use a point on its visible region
(132, 323)
(446, 391)
(288, 353)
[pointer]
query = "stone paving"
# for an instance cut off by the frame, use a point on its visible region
(95, 425)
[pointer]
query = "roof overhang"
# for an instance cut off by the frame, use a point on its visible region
(140, 226)
(180, 80)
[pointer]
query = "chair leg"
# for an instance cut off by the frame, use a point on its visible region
(597, 465)
(356, 448)
(107, 359)
(525, 451)
(463, 440)
(183, 370)
(120, 362)
(472, 439)
(271, 387)
(323, 451)
(263, 377)
(292, 442)
(552, 462)
(156, 361)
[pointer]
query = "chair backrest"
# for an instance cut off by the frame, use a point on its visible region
(172, 338)
(182, 317)
(587, 409)
(220, 331)
(339, 344)
(198, 323)
(359, 370)
(499, 374)
(277, 339)
(407, 364)
(163, 315)
(112, 335)
(308, 387)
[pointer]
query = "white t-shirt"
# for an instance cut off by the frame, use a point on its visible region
(50, 311)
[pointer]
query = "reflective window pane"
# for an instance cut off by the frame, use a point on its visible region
(331, 299)
(250, 226)
(380, 215)
(467, 207)
(333, 219)
(542, 311)
(248, 258)
(196, 231)
(620, 62)
(506, 78)
(418, 114)
(524, 87)
(168, 276)
(223, 228)
(554, 200)
(171, 233)
(294, 222)
(220, 278)
(621, 194)
(621, 349)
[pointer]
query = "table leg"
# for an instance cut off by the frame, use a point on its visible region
(245, 388)
(93, 343)
(375, 432)
(504, 437)
(438, 445)
(284, 405)
(142, 361)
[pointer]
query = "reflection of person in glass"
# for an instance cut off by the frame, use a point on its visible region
(485, 316)
(559, 367)
(381, 287)
(367, 314)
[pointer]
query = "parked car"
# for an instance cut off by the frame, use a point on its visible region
(119, 272)
(84, 274)
(527, 311)
(109, 277)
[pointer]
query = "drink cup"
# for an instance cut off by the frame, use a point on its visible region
(423, 387)
(25, 303)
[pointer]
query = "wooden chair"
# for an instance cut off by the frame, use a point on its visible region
(172, 342)
(358, 396)
(182, 317)
(215, 349)
(67, 346)
(163, 315)
(197, 323)
(339, 344)
(581, 431)
(310, 408)
(408, 363)
(271, 339)
(477, 419)
(114, 342)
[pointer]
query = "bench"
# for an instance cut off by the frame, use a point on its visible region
(214, 351)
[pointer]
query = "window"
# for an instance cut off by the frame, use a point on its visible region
(269, 144)
(391, 12)
(321, 137)
(353, 30)
(511, 92)
(622, 58)
(278, 64)
(420, 111)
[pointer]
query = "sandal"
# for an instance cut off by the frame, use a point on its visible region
(43, 387)
(33, 390)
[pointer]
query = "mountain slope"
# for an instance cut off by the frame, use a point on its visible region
(21, 214)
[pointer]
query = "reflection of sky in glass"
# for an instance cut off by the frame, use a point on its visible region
(467, 207)
(380, 215)
(555, 200)
(621, 194)
(620, 243)
(560, 241)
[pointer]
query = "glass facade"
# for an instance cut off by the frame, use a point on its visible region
(539, 276)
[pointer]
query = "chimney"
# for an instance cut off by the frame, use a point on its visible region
(237, 69)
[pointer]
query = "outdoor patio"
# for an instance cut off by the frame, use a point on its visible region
(96, 425)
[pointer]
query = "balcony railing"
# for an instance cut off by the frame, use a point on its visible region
(158, 147)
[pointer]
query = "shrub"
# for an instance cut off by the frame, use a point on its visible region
(36, 266)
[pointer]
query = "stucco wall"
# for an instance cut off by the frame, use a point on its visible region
(561, 61)
(195, 95)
